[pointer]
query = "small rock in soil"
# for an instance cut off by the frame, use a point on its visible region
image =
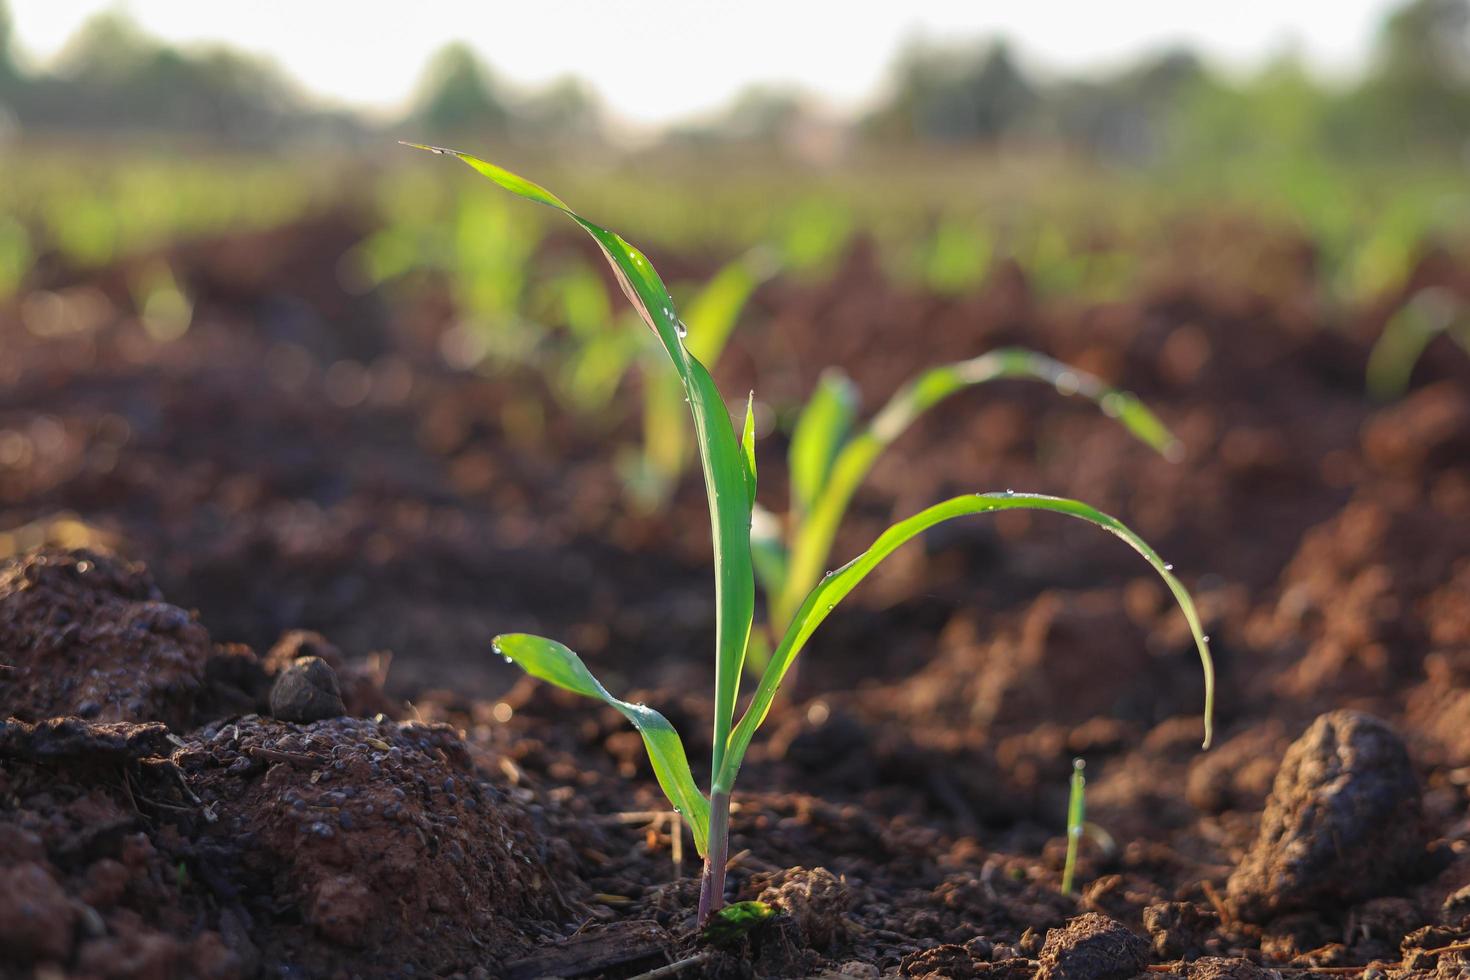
(1344, 822)
(307, 691)
(1092, 947)
(359, 682)
(816, 900)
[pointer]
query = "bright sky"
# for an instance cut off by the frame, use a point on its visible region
(655, 60)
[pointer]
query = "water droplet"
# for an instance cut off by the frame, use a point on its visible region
(1206, 638)
(507, 659)
(1168, 567)
(1010, 492)
(683, 330)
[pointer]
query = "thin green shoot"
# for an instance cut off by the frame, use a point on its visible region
(1076, 817)
(729, 466)
(1429, 313)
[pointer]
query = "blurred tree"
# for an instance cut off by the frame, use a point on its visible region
(1126, 116)
(1419, 88)
(566, 111)
(113, 77)
(762, 115)
(9, 72)
(965, 94)
(457, 95)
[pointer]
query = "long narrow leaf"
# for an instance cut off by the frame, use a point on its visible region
(836, 585)
(720, 455)
(820, 431)
(712, 315)
(813, 537)
(554, 663)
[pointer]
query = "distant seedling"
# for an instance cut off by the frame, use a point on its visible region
(730, 484)
(829, 458)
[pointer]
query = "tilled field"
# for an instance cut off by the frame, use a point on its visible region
(182, 795)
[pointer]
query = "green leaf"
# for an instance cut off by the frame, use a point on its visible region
(835, 586)
(819, 434)
(734, 921)
(747, 446)
(813, 536)
(1408, 332)
(712, 316)
(767, 550)
(720, 456)
(555, 664)
(715, 309)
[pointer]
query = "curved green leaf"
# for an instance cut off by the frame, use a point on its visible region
(836, 585)
(554, 663)
(813, 536)
(720, 456)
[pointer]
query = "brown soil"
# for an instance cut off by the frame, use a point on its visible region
(300, 476)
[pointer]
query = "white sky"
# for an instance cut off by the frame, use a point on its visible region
(656, 60)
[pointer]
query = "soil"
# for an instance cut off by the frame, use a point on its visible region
(250, 575)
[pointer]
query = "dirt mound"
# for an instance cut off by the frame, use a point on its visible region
(378, 837)
(89, 635)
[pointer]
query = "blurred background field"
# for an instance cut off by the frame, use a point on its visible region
(964, 159)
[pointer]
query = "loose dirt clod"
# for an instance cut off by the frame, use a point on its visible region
(1228, 968)
(1344, 821)
(816, 900)
(307, 691)
(1092, 947)
(89, 634)
(1179, 930)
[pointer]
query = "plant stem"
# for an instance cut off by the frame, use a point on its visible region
(712, 883)
(1076, 803)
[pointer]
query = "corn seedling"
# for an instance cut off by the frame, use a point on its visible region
(828, 461)
(1076, 814)
(729, 466)
(1428, 314)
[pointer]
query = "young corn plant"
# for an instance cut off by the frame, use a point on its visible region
(829, 457)
(729, 470)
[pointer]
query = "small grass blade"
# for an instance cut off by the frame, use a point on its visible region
(554, 663)
(835, 586)
(812, 544)
(720, 455)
